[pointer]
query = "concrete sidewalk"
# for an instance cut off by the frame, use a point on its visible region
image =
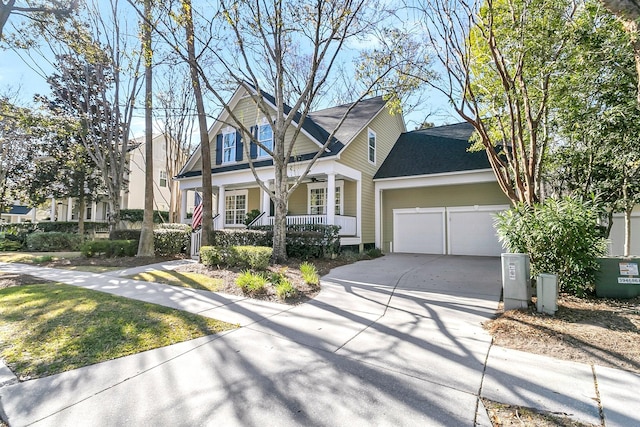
(393, 341)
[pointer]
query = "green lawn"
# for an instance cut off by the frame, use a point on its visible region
(184, 279)
(90, 268)
(51, 328)
(35, 257)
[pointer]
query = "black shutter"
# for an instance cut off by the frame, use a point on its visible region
(253, 148)
(238, 147)
(219, 149)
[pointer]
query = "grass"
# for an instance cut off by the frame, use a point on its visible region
(36, 257)
(184, 279)
(50, 328)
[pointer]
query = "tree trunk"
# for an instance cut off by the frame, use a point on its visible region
(627, 230)
(279, 254)
(145, 246)
(205, 148)
(81, 210)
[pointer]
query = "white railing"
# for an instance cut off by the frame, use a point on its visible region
(348, 224)
(196, 242)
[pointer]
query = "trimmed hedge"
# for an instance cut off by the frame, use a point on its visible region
(137, 215)
(53, 241)
(110, 248)
(69, 226)
(124, 235)
(303, 241)
(254, 257)
(171, 241)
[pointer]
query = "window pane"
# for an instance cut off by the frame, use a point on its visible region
(229, 147)
(338, 201)
(265, 136)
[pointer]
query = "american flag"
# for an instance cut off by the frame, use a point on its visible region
(197, 212)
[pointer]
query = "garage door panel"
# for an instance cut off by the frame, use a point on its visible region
(471, 231)
(419, 230)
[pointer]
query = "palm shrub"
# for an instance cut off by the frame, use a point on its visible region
(284, 289)
(251, 283)
(561, 237)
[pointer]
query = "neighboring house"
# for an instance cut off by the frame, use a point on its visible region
(339, 188)
(17, 213)
(66, 209)
(434, 196)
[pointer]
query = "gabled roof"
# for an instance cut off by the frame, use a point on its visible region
(441, 149)
(318, 125)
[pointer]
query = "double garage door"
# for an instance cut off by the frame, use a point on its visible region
(462, 230)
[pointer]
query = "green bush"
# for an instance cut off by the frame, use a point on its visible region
(228, 238)
(309, 273)
(374, 253)
(41, 259)
(110, 248)
(560, 236)
(284, 289)
(67, 226)
(171, 241)
(53, 241)
(124, 235)
(10, 245)
(306, 241)
(212, 256)
(137, 215)
(254, 257)
(251, 283)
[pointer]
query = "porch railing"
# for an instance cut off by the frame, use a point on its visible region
(348, 224)
(196, 237)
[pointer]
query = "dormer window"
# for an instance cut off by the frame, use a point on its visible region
(229, 145)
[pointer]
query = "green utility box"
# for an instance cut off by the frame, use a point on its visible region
(618, 278)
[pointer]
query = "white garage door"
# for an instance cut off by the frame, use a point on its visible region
(471, 231)
(466, 230)
(419, 230)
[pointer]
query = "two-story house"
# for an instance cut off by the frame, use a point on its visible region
(338, 190)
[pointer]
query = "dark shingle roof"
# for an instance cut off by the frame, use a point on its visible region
(19, 210)
(429, 151)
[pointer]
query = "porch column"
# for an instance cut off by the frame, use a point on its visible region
(183, 206)
(52, 213)
(221, 206)
(33, 214)
(69, 208)
(331, 198)
(94, 211)
(266, 198)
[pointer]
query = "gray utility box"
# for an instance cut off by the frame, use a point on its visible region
(547, 293)
(516, 281)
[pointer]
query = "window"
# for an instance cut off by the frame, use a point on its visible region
(265, 136)
(235, 208)
(371, 146)
(89, 209)
(317, 196)
(163, 178)
(317, 201)
(229, 146)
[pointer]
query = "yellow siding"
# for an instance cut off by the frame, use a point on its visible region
(387, 128)
(298, 201)
(434, 197)
(350, 195)
(253, 199)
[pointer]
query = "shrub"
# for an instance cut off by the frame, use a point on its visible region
(110, 248)
(251, 283)
(124, 235)
(374, 253)
(41, 259)
(10, 245)
(54, 241)
(212, 256)
(137, 215)
(308, 240)
(560, 236)
(254, 257)
(251, 216)
(284, 289)
(67, 226)
(227, 238)
(171, 241)
(309, 273)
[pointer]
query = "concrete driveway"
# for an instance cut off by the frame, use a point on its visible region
(390, 342)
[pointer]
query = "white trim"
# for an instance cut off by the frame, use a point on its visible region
(371, 132)
(435, 180)
(378, 217)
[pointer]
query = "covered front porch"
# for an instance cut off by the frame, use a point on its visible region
(327, 198)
